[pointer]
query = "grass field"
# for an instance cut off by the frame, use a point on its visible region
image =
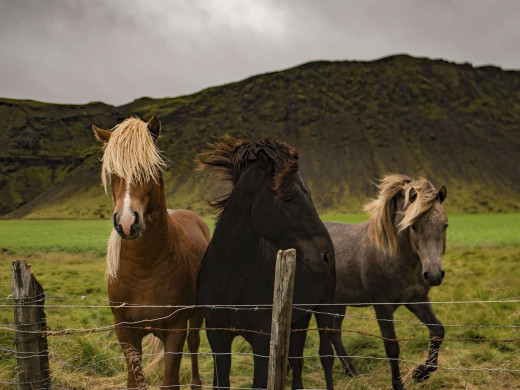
(481, 262)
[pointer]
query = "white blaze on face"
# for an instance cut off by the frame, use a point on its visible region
(127, 216)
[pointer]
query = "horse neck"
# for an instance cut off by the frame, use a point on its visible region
(404, 249)
(235, 224)
(405, 255)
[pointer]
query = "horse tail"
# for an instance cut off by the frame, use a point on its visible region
(154, 348)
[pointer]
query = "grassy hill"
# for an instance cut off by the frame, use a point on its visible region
(351, 122)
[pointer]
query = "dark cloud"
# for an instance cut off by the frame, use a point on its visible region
(74, 51)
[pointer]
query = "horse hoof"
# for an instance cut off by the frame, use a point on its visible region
(351, 371)
(398, 384)
(423, 372)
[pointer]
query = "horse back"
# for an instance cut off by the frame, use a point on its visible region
(354, 260)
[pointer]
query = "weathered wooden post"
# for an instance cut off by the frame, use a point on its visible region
(32, 355)
(281, 318)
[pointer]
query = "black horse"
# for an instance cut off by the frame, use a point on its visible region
(269, 208)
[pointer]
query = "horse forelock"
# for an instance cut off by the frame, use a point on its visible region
(228, 157)
(131, 154)
(418, 195)
(419, 198)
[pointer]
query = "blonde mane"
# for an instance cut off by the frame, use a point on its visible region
(113, 253)
(131, 154)
(418, 198)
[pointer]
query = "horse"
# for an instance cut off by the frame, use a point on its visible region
(153, 253)
(268, 207)
(393, 259)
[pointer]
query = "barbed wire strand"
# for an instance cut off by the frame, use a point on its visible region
(371, 358)
(245, 307)
(112, 303)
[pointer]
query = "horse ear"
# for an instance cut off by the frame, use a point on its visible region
(154, 127)
(265, 162)
(100, 134)
(442, 194)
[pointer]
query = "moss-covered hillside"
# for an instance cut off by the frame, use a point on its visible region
(351, 122)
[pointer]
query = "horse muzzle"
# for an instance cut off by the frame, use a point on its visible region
(433, 278)
(128, 225)
(319, 262)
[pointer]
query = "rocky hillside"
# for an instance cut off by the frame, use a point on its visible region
(351, 122)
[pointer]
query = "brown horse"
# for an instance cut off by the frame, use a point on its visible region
(393, 259)
(153, 255)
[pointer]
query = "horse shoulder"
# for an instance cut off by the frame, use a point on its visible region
(350, 249)
(192, 225)
(191, 236)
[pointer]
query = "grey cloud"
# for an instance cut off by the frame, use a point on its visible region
(74, 51)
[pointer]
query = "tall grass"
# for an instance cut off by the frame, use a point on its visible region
(481, 264)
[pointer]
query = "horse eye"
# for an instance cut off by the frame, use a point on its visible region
(414, 228)
(287, 197)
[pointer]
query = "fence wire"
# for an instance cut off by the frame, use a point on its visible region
(10, 302)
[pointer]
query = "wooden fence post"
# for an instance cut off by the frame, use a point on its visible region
(32, 355)
(281, 318)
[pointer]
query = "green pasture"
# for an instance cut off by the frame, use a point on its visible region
(481, 262)
(76, 236)
(465, 230)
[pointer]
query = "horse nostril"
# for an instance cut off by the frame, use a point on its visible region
(134, 228)
(325, 257)
(442, 274)
(116, 223)
(425, 275)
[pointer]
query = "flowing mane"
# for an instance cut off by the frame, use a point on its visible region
(418, 198)
(131, 154)
(113, 253)
(228, 156)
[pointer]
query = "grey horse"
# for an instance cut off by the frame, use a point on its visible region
(393, 259)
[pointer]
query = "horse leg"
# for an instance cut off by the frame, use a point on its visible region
(131, 342)
(220, 343)
(348, 366)
(296, 345)
(261, 347)
(193, 346)
(173, 346)
(385, 316)
(425, 314)
(325, 324)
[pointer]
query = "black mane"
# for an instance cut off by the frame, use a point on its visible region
(228, 156)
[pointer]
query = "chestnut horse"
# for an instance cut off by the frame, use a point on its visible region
(393, 259)
(153, 254)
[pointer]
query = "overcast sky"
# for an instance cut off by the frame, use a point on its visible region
(77, 51)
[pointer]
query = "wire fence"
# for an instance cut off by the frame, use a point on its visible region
(91, 303)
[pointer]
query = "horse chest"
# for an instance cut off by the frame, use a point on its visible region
(155, 285)
(415, 292)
